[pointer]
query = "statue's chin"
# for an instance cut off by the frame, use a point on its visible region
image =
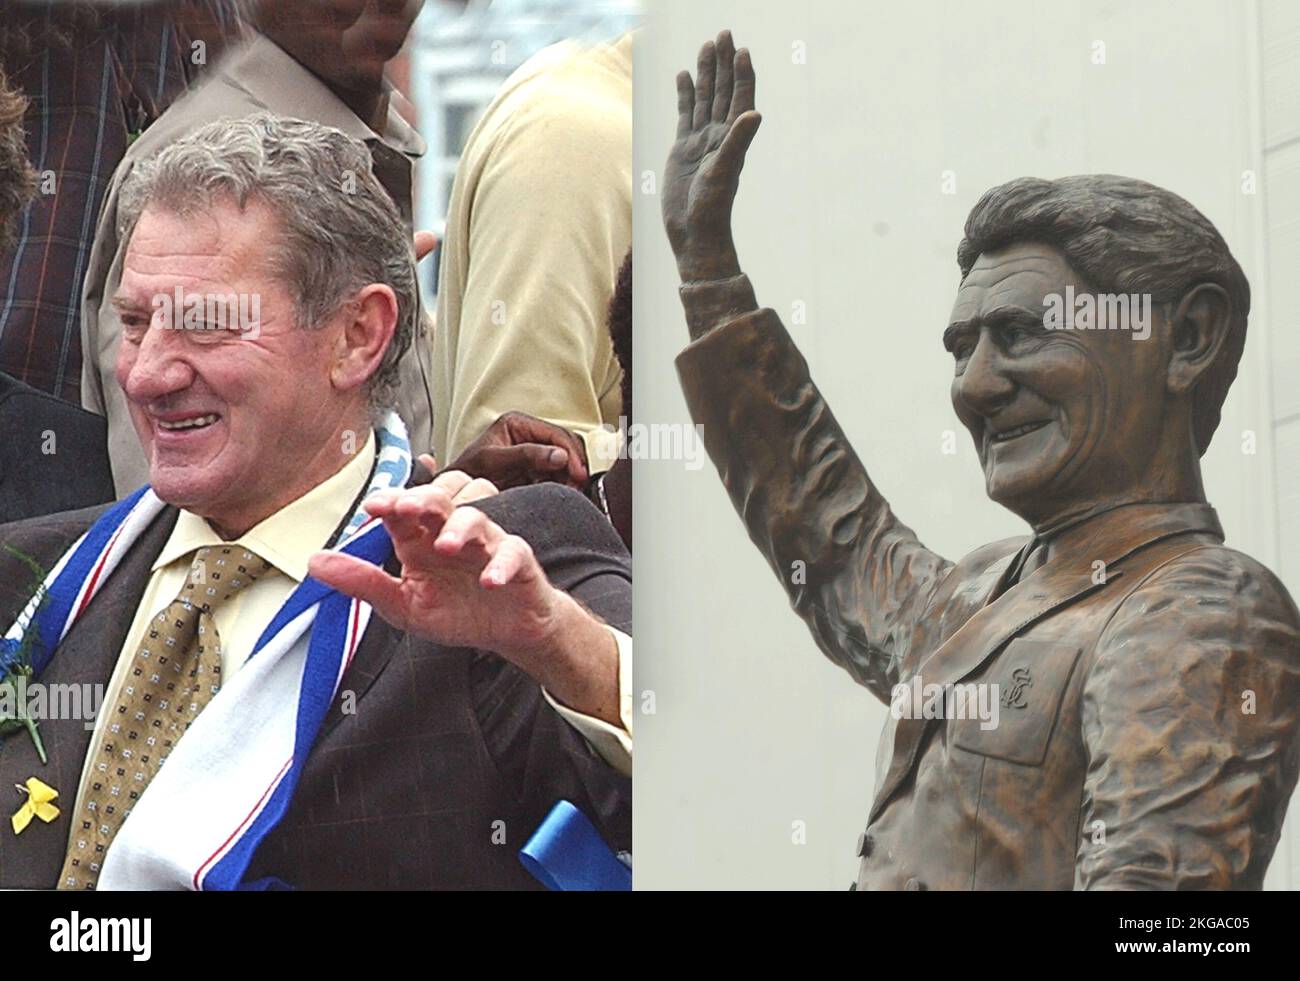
(1022, 495)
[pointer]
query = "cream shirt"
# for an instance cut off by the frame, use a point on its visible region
(539, 222)
(287, 539)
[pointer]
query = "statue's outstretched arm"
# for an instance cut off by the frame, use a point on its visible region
(858, 576)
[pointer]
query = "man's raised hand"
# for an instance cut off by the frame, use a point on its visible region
(716, 122)
(465, 582)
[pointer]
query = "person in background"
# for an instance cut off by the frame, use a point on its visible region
(321, 62)
(612, 490)
(52, 457)
(539, 221)
(96, 74)
(519, 449)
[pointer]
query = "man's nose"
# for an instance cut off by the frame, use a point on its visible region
(985, 387)
(157, 368)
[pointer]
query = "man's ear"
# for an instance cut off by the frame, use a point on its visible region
(369, 320)
(1199, 327)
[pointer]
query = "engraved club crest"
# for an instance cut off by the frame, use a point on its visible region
(1014, 696)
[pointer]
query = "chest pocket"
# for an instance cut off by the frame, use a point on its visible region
(1031, 676)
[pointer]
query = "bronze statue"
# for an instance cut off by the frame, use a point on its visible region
(1145, 678)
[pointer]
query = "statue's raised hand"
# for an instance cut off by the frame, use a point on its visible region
(716, 122)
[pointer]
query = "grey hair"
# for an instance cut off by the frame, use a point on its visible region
(1125, 236)
(339, 229)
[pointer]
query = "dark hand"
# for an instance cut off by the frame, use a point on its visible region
(520, 449)
(716, 122)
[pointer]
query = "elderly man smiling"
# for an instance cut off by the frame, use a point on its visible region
(377, 685)
(1148, 678)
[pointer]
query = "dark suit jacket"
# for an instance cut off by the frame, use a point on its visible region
(53, 455)
(447, 746)
(1149, 715)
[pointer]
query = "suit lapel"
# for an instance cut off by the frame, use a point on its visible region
(1067, 577)
(377, 645)
(376, 649)
(87, 656)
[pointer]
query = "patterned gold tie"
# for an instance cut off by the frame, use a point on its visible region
(173, 676)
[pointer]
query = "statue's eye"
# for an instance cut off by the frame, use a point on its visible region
(1018, 334)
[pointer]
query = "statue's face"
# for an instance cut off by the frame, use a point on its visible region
(1062, 419)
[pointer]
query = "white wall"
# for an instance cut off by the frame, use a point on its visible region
(841, 209)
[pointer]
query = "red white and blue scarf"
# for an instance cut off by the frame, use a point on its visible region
(232, 780)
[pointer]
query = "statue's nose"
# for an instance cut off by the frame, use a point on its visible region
(984, 386)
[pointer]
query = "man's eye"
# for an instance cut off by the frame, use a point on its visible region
(209, 333)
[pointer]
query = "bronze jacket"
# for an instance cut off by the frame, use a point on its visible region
(1148, 726)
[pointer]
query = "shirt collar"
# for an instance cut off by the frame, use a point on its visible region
(288, 538)
(1116, 531)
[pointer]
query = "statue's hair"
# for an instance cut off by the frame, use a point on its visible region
(339, 229)
(1123, 236)
(17, 179)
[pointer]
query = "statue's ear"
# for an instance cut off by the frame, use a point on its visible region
(1200, 326)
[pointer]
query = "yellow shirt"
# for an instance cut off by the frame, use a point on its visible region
(287, 540)
(539, 222)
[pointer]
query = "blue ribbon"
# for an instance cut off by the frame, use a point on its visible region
(566, 853)
(62, 594)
